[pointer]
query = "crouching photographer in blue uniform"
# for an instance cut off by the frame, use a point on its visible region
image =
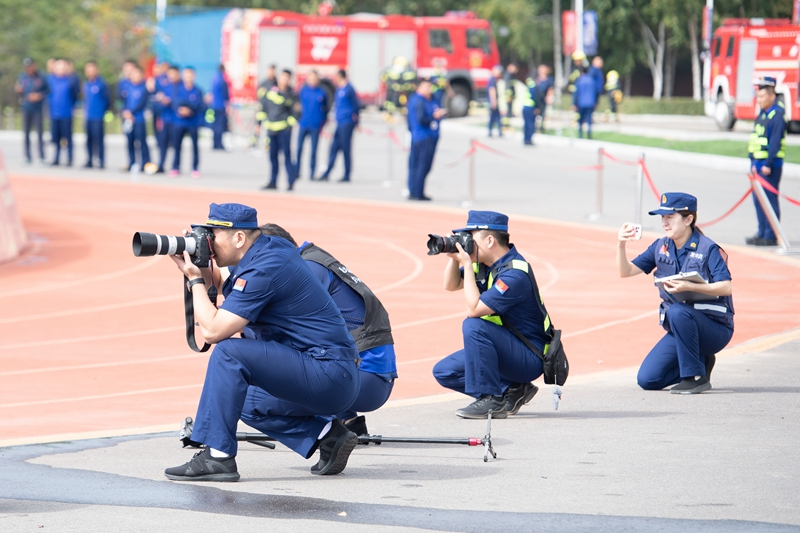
(296, 347)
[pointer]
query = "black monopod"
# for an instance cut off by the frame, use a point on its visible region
(260, 439)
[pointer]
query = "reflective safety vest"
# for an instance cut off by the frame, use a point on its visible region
(278, 106)
(758, 147)
(527, 97)
(517, 264)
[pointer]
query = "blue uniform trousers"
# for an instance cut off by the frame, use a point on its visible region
(266, 413)
(30, 120)
(492, 359)
(178, 133)
(529, 125)
(95, 141)
(218, 127)
(420, 160)
(281, 142)
(494, 118)
(324, 387)
(585, 117)
(682, 352)
(342, 141)
(138, 134)
(164, 138)
(62, 130)
(301, 139)
(764, 229)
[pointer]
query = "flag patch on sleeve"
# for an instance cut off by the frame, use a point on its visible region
(239, 285)
(500, 286)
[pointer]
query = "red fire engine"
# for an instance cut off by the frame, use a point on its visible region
(746, 49)
(458, 45)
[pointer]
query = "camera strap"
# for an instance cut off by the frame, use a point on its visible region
(188, 307)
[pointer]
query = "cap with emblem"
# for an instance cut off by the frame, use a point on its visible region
(233, 216)
(675, 202)
(27, 62)
(485, 220)
(765, 81)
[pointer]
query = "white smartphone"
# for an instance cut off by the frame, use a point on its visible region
(637, 232)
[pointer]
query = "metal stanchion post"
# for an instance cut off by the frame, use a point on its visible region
(783, 242)
(639, 190)
(598, 201)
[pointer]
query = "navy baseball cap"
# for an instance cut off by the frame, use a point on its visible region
(233, 216)
(766, 81)
(675, 202)
(485, 220)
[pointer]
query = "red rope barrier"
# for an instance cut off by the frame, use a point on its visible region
(729, 211)
(620, 161)
(460, 159)
(773, 190)
(590, 167)
(650, 180)
(482, 146)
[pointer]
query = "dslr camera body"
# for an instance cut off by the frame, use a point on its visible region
(199, 244)
(447, 245)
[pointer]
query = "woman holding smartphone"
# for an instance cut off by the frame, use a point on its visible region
(695, 331)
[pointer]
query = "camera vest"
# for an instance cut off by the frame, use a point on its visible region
(696, 260)
(376, 331)
(758, 146)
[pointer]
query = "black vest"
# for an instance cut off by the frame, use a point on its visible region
(376, 330)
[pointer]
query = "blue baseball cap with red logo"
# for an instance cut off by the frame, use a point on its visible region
(675, 202)
(485, 220)
(232, 216)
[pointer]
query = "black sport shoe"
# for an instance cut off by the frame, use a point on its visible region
(692, 386)
(517, 396)
(358, 425)
(765, 242)
(269, 187)
(480, 408)
(711, 360)
(203, 467)
(751, 240)
(334, 450)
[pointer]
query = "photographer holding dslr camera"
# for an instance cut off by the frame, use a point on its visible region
(296, 345)
(503, 316)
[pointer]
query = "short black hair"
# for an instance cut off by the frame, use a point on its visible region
(769, 88)
(342, 72)
(277, 231)
(287, 71)
(502, 237)
(173, 67)
(221, 67)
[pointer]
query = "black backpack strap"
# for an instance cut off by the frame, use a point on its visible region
(188, 307)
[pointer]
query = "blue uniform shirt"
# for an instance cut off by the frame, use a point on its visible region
(585, 95)
(433, 105)
(512, 297)
(599, 79)
(63, 95)
(33, 84)
(136, 100)
(168, 115)
(346, 105)
(493, 83)
(95, 98)
(122, 89)
(646, 261)
(219, 92)
(314, 101)
(274, 289)
(542, 86)
(191, 98)
(775, 129)
(420, 118)
(163, 85)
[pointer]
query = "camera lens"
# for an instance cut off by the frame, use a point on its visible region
(147, 244)
(436, 244)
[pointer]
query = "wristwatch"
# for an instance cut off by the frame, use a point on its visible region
(196, 281)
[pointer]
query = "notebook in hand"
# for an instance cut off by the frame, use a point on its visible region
(688, 296)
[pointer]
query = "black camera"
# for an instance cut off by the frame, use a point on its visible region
(447, 245)
(198, 243)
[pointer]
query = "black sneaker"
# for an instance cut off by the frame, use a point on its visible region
(334, 450)
(480, 408)
(203, 467)
(751, 240)
(269, 187)
(765, 242)
(324, 177)
(711, 360)
(692, 386)
(517, 396)
(358, 425)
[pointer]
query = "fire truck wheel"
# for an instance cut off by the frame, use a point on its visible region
(458, 104)
(794, 126)
(723, 114)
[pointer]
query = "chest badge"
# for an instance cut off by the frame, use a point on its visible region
(239, 285)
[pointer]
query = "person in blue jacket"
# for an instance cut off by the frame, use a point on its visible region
(347, 110)
(314, 104)
(63, 95)
(368, 323)
(494, 100)
(295, 346)
(767, 149)
(165, 92)
(134, 125)
(698, 317)
(218, 100)
(33, 89)
(423, 122)
(584, 100)
(157, 86)
(596, 72)
(187, 103)
(96, 102)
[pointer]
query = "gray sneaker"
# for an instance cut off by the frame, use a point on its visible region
(203, 467)
(480, 408)
(518, 396)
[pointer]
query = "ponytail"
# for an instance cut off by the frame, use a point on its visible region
(693, 225)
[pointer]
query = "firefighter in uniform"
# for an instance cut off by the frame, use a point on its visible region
(578, 64)
(528, 116)
(767, 149)
(614, 93)
(510, 93)
(495, 366)
(368, 323)
(695, 331)
(279, 110)
(400, 81)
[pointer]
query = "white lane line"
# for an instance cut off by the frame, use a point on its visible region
(85, 310)
(67, 368)
(552, 270)
(418, 266)
(73, 340)
(84, 281)
(99, 396)
(461, 314)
